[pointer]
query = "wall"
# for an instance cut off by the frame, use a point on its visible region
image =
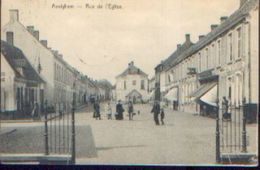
(33, 49)
(121, 92)
(7, 86)
(254, 54)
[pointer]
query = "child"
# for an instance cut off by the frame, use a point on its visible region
(109, 111)
(162, 116)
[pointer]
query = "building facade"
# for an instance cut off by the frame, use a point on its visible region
(224, 62)
(19, 84)
(132, 85)
(61, 79)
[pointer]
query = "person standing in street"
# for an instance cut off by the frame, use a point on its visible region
(130, 110)
(162, 116)
(109, 111)
(97, 110)
(156, 112)
(119, 110)
(226, 115)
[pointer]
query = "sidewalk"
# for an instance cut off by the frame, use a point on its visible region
(6, 131)
(49, 117)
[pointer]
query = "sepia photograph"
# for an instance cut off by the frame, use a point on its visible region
(129, 82)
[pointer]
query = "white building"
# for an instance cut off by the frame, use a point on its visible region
(132, 84)
(58, 75)
(225, 62)
(19, 84)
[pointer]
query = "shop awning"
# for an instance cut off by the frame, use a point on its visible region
(197, 94)
(172, 94)
(211, 96)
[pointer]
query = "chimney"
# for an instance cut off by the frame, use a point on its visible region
(178, 46)
(201, 37)
(187, 36)
(223, 19)
(36, 34)
(30, 29)
(213, 27)
(14, 15)
(131, 63)
(242, 2)
(44, 43)
(60, 55)
(55, 52)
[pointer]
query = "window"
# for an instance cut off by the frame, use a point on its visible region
(2, 74)
(169, 78)
(207, 58)
(239, 45)
(55, 71)
(10, 38)
(124, 84)
(199, 67)
(142, 85)
(230, 47)
(212, 56)
(218, 53)
(134, 82)
(229, 92)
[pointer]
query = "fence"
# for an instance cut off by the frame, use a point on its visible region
(51, 141)
(231, 134)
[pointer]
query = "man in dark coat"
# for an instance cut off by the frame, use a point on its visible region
(130, 110)
(119, 110)
(226, 115)
(156, 111)
(97, 110)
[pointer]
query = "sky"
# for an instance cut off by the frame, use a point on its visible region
(101, 42)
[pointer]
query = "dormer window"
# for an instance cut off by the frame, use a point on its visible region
(20, 70)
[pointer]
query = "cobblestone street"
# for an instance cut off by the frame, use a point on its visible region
(184, 139)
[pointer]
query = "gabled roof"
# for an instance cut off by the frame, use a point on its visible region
(17, 59)
(233, 20)
(131, 70)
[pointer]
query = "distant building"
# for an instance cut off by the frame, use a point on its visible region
(132, 84)
(105, 88)
(113, 93)
(151, 89)
(20, 84)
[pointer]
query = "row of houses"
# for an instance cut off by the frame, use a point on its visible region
(32, 72)
(223, 63)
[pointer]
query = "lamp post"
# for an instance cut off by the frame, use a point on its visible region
(217, 134)
(73, 151)
(46, 129)
(244, 147)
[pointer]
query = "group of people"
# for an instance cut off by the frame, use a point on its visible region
(119, 114)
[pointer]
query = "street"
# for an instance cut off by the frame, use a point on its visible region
(184, 139)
